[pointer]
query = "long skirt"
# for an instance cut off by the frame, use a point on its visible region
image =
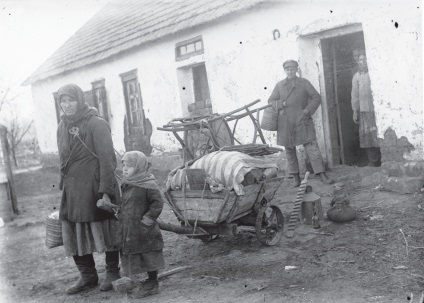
(85, 238)
(134, 264)
(367, 130)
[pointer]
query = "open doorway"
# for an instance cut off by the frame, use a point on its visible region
(339, 68)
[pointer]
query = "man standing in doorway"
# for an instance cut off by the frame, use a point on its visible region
(296, 100)
(363, 112)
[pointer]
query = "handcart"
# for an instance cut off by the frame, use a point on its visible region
(204, 214)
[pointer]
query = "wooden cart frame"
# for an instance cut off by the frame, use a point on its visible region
(204, 214)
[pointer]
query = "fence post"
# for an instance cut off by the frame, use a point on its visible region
(6, 159)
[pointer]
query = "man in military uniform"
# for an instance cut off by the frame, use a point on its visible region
(296, 101)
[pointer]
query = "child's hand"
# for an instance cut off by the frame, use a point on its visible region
(106, 198)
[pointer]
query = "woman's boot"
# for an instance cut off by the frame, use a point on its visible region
(112, 270)
(88, 274)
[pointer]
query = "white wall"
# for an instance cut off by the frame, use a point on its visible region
(394, 58)
(244, 62)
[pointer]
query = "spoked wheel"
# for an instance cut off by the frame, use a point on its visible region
(269, 225)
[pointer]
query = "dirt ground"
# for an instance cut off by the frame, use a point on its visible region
(366, 260)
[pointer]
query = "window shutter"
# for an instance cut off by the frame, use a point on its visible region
(88, 95)
(57, 106)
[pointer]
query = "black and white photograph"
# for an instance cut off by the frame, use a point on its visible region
(202, 151)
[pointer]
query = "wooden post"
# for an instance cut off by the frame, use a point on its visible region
(6, 158)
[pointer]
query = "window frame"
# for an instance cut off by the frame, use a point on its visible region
(99, 86)
(57, 107)
(194, 40)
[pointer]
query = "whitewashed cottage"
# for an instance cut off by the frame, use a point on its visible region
(143, 63)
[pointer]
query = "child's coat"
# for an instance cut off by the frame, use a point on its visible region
(136, 236)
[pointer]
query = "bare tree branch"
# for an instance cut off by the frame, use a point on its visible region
(21, 134)
(3, 99)
(15, 133)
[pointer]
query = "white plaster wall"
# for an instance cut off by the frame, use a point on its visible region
(159, 90)
(244, 62)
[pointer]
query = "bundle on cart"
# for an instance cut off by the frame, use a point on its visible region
(223, 170)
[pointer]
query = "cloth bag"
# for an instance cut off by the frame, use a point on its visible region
(269, 119)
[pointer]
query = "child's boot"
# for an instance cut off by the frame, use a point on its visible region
(147, 288)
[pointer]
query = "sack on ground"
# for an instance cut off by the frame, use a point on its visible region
(53, 230)
(269, 119)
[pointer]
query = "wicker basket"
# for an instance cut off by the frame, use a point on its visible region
(53, 233)
(269, 119)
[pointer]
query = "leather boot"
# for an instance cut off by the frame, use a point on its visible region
(88, 274)
(112, 270)
(297, 180)
(325, 179)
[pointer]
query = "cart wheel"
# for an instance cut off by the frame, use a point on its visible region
(269, 225)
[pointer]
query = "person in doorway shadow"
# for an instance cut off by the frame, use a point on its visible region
(363, 112)
(296, 100)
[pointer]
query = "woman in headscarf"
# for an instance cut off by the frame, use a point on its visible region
(142, 241)
(87, 166)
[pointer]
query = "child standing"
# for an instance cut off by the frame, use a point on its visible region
(142, 241)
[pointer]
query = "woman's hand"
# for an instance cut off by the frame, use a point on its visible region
(147, 221)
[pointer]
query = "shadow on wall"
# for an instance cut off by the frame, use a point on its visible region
(393, 148)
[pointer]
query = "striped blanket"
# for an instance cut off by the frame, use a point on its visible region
(230, 167)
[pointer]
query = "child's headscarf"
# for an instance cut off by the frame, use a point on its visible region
(141, 177)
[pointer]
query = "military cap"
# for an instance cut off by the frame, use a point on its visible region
(290, 63)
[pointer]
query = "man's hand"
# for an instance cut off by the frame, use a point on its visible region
(356, 116)
(306, 114)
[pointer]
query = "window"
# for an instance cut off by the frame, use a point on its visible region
(188, 48)
(99, 98)
(133, 102)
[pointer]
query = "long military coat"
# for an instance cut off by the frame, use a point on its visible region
(136, 203)
(293, 128)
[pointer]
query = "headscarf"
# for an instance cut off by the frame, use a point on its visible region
(141, 177)
(76, 93)
(84, 112)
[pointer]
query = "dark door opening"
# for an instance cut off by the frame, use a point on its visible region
(339, 68)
